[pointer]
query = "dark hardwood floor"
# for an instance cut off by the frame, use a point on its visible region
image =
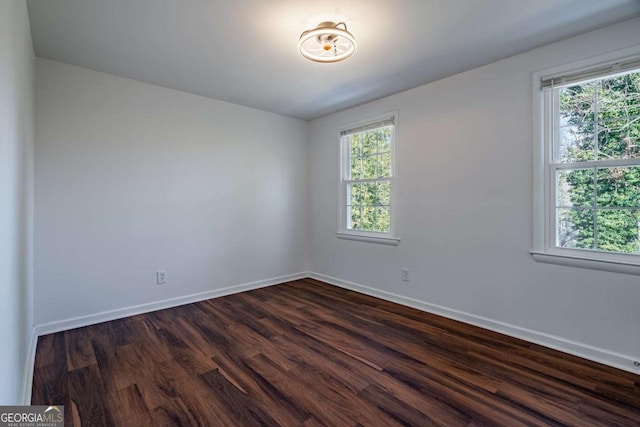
(306, 353)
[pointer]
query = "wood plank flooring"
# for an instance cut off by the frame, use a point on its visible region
(306, 353)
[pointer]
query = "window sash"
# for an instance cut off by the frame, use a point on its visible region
(594, 207)
(348, 204)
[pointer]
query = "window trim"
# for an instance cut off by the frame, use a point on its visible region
(343, 232)
(543, 248)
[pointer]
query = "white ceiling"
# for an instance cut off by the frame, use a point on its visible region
(245, 51)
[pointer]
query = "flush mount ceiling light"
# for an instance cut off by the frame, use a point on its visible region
(327, 43)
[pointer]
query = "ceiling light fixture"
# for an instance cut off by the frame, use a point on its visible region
(327, 43)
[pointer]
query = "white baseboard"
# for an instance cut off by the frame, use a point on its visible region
(28, 369)
(105, 316)
(600, 355)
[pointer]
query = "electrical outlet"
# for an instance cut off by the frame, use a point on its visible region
(161, 277)
(636, 364)
(405, 274)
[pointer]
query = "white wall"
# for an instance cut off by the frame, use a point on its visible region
(16, 198)
(133, 178)
(465, 211)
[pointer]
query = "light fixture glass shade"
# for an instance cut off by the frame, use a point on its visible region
(327, 43)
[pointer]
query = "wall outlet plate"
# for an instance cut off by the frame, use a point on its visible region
(161, 277)
(405, 274)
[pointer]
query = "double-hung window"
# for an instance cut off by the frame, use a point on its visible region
(591, 132)
(368, 180)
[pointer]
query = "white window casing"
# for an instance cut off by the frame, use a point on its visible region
(546, 163)
(346, 230)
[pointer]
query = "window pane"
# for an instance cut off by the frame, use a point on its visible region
(368, 218)
(576, 104)
(369, 164)
(619, 97)
(384, 139)
(383, 219)
(574, 228)
(619, 186)
(576, 143)
(355, 145)
(619, 116)
(618, 231)
(619, 138)
(356, 168)
(384, 164)
(354, 216)
(369, 191)
(574, 188)
(356, 196)
(384, 193)
(576, 123)
(369, 143)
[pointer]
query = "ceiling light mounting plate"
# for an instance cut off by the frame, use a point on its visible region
(327, 42)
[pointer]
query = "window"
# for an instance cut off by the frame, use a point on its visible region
(591, 133)
(367, 181)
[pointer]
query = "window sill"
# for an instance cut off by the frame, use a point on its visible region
(371, 239)
(590, 262)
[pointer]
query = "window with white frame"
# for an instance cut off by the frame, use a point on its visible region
(591, 131)
(367, 181)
